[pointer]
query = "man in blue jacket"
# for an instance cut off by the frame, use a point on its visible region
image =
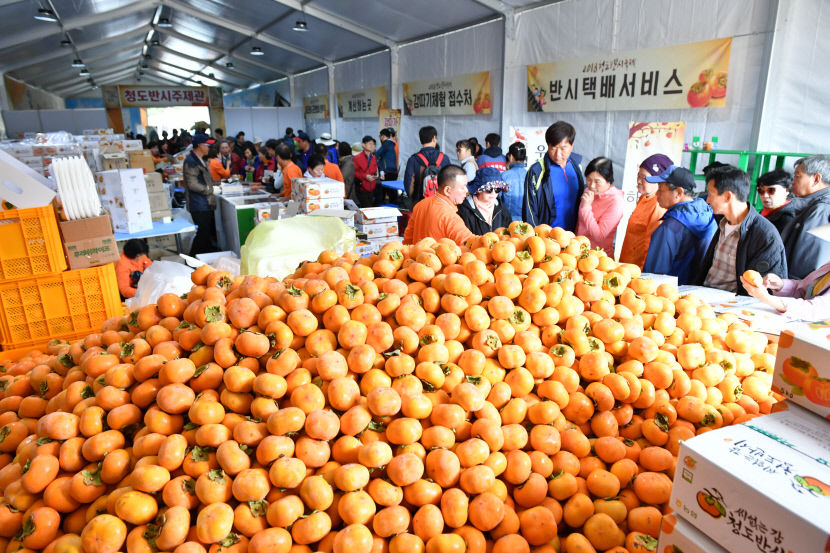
(492, 156)
(678, 245)
(554, 184)
(416, 165)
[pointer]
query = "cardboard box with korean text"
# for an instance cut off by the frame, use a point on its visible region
(802, 370)
(762, 484)
(124, 194)
(154, 182)
(159, 201)
(113, 162)
(89, 242)
(316, 188)
(308, 205)
(678, 535)
(378, 230)
(376, 215)
(142, 159)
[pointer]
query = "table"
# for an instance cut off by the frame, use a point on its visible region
(393, 184)
(175, 227)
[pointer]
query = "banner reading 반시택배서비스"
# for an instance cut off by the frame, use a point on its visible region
(316, 107)
(674, 77)
(365, 103)
(456, 95)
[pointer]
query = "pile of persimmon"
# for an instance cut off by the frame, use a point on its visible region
(523, 393)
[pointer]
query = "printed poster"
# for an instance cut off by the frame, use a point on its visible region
(361, 103)
(645, 139)
(534, 140)
(675, 77)
(458, 95)
(390, 118)
(316, 107)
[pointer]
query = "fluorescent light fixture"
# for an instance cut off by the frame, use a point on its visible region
(77, 62)
(45, 14)
(164, 22)
(155, 42)
(257, 51)
(229, 65)
(300, 26)
(66, 43)
(84, 72)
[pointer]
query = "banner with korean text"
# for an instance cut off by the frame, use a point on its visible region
(676, 77)
(162, 96)
(390, 119)
(316, 107)
(361, 103)
(459, 95)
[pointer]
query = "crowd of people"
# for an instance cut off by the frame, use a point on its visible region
(709, 238)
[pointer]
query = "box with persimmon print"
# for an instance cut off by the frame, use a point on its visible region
(802, 370)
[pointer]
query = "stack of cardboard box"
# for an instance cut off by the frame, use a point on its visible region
(159, 199)
(124, 193)
(317, 193)
(765, 484)
(375, 227)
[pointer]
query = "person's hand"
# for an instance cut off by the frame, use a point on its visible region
(773, 282)
(760, 293)
(587, 197)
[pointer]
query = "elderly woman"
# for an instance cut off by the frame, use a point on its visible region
(601, 207)
(481, 211)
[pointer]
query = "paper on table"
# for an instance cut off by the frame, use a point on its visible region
(708, 295)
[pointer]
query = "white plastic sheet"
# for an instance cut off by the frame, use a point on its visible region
(161, 277)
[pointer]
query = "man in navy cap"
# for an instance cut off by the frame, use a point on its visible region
(198, 186)
(680, 242)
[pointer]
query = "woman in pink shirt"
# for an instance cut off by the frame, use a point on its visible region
(601, 207)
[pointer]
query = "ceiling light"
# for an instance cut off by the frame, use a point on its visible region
(155, 42)
(45, 14)
(77, 62)
(164, 22)
(65, 43)
(94, 86)
(257, 51)
(300, 26)
(229, 65)
(84, 72)
(144, 66)
(141, 72)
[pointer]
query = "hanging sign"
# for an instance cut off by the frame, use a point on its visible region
(162, 96)
(676, 77)
(316, 107)
(534, 140)
(390, 119)
(459, 95)
(361, 103)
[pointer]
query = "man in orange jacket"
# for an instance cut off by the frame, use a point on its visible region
(437, 216)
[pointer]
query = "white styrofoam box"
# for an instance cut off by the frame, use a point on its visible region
(307, 206)
(764, 481)
(131, 145)
(678, 535)
(316, 188)
(373, 215)
(131, 219)
(802, 369)
(23, 186)
(122, 188)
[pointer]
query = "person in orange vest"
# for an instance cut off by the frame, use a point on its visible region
(647, 213)
(437, 216)
(131, 265)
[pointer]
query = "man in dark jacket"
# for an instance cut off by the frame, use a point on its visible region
(415, 167)
(774, 190)
(492, 156)
(198, 186)
(744, 240)
(811, 187)
(554, 184)
(678, 245)
(481, 211)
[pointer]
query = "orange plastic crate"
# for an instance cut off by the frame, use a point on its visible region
(61, 305)
(30, 243)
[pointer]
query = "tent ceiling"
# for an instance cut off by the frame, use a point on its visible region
(112, 36)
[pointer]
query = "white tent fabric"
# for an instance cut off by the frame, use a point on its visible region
(362, 73)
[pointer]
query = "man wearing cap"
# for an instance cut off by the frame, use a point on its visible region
(774, 191)
(437, 216)
(679, 243)
(481, 211)
(647, 213)
(744, 240)
(811, 187)
(331, 146)
(366, 175)
(303, 150)
(198, 189)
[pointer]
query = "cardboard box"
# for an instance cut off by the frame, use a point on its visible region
(378, 229)
(123, 187)
(801, 365)
(159, 201)
(113, 162)
(312, 189)
(132, 145)
(375, 215)
(676, 534)
(766, 481)
(366, 248)
(142, 159)
(89, 242)
(154, 182)
(343, 214)
(307, 206)
(166, 242)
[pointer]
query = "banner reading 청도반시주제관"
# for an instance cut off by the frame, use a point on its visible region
(316, 107)
(675, 77)
(361, 103)
(457, 95)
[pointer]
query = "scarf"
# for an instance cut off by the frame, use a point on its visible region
(486, 209)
